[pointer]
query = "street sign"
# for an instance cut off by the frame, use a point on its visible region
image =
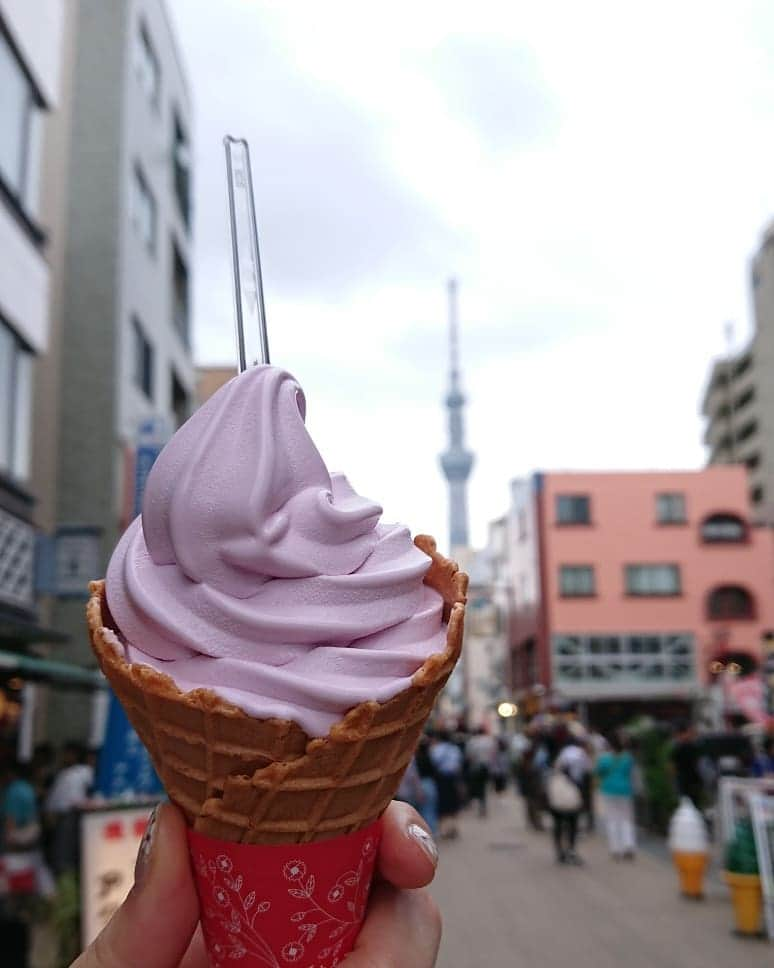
(76, 560)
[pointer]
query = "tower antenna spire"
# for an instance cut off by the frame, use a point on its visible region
(456, 460)
(454, 349)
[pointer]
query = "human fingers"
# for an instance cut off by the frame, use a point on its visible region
(407, 855)
(402, 930)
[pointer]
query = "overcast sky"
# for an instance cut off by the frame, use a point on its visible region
(597, 175)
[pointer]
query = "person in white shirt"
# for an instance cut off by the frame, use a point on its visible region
(71, 787)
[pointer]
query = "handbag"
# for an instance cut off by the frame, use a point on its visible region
(563, 795)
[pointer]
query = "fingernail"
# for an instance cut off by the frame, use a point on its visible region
(144, 851)
(425, 841)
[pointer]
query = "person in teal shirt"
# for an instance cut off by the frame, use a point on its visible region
(18, 804)
(615, 771)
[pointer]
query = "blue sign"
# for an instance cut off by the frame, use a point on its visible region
(151, 437)
(124, 767)
(144, 460)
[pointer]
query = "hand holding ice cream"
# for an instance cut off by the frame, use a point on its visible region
(157, 924)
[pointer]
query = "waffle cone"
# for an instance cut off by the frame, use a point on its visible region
(264, 781)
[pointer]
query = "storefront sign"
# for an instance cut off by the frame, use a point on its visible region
(109, 843)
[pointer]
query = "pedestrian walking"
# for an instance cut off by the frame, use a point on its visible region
(518, 746)
(500, 765)
(25, 876)
(763, 761)
(447, 760)
(531, 780)
(685, 756)
(428, 808)
(71, 787)
(615, 770)
(480, 753)
(563, 789)
(410, 788)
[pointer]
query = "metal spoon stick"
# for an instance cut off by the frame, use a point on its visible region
(246, 257)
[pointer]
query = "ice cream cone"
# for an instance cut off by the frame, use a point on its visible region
(690, 867)
(264, 781)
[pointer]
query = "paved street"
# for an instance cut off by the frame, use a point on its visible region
(505, 902)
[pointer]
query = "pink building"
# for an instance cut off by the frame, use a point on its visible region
(634, 591)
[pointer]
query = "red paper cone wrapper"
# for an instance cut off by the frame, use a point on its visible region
(291, 904)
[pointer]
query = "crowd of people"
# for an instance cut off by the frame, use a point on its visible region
(563, 772)
(452, 768)
(39, 834)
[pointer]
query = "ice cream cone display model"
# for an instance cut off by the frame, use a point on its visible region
(689, 845)
(742, 874)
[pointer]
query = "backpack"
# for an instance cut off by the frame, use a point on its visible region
(563, 795)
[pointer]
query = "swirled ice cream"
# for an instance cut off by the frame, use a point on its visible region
(255, 573)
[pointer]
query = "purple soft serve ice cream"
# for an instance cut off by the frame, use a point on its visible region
(255, 573)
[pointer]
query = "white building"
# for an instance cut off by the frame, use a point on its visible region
(738, 402)
(30, 60)
(120, 197)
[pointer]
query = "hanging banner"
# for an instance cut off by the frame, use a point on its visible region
(124, 768)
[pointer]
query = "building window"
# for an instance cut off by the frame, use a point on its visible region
(757, 494)
(722, 445)
(147, 67)
(179, 402)
(730, 602)
(180, 307)
(15, 405)
(576, 581)
(181, 169)
(652, 579)
(753, 461)
(747, 431)
(744, 398)
(20, 129)
(142, 360)
(723, 528)
(670, 508)
(623, 659)
(144, 213)
(742, 365)
(573, 509)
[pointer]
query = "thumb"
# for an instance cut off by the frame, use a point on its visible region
(154, 925)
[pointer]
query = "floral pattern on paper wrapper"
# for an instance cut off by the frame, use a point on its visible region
(306, 912)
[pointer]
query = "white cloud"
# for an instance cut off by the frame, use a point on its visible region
(597, 174)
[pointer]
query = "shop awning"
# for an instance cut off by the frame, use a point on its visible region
(46, 670)
(16, 631)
